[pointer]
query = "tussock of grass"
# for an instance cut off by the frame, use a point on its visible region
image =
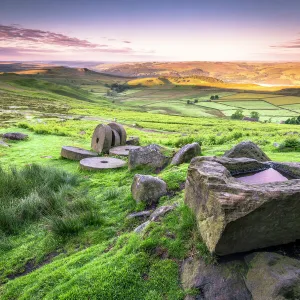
(36, 193)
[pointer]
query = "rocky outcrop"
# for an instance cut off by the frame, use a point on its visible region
(247, 149)
(186, 153)
(273, 276)
(147, 188)
(233, 216)
(17, 136)
(150, 156)
(291, 169)
(214, 282)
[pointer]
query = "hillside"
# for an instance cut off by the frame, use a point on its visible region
(237, 72)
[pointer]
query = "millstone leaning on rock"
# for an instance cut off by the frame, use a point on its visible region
(102, 139)
(116, 140)
(120, 130)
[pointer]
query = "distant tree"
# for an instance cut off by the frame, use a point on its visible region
(188, 102)
(196, 101)
(238, 115)
(212, 97)
(254, 115)
(216, 97)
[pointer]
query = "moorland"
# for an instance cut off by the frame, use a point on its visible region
(63, 231)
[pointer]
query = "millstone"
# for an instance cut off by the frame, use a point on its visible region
(101, 163)
(76, 153)
(120, 130)
(102, 138)
(122, 150)
(116, 140)
(133, 140)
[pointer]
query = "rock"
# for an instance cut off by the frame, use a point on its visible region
(142, 227)
(3, 144)
(291, 169)
(122, 150)
(17, 136)
(215, 282)
(234, 216)
(186, 153)
(276, 145)
(140, 214)
(133, 140)
(150, 156)
(116, 140)
(273, 276)
(235, 165)
(247, 149)
(161, 211)
(75, 153)
(120, 130)
(100, 163)
(102, 139)
(147, 188)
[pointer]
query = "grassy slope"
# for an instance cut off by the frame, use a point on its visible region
(107, 261)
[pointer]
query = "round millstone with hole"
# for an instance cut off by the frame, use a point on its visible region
(101, 163)
(121, 131)
(133, 140)
(116, 140)
(102, 138)
(75, 153)
(122, 150)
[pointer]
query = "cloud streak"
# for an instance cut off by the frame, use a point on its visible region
(14, 38)
(295, 44)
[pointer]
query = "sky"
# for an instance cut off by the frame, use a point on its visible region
(152, 30)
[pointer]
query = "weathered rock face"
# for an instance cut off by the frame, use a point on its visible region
(186, 153)
(147, 188)
(215, 282)
(17, 136)
(273, 276)
(233, 216)
(150, 156)
(292, 169)
(247, 149)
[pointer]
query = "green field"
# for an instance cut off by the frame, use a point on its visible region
(84, 246)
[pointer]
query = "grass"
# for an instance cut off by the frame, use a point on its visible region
(84, 247)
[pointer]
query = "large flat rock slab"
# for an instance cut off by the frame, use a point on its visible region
(16, 136)
(233, 216)
(101, 163)
(122, 150)
(75, 153)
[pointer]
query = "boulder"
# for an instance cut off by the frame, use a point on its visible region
(17, 136)
(186, 153)
(273, 276)
(120, 130)
(214, 282)
(102, 139)
(147, 188)
(233, 216)
(291, 169)
(150, 156)
(247, 149)
(3, 144)
(133, 140)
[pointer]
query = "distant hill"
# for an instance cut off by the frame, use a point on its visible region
(237, 72)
